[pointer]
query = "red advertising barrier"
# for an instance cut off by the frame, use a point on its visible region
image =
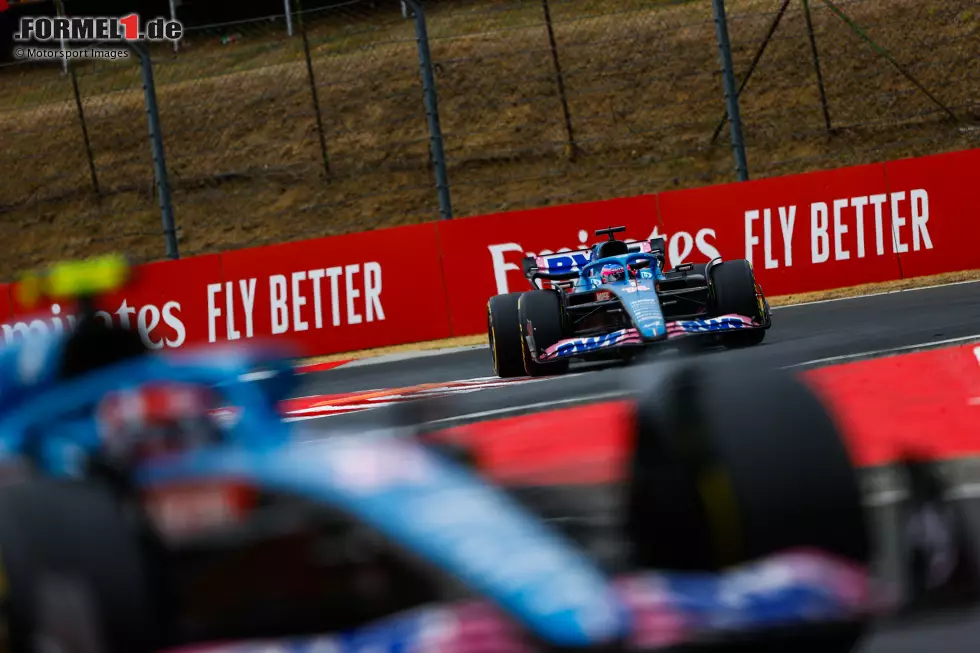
(163, 302)
(937, 191)
(803, 233)
(5, 311)
(481, 256)
(335, 294)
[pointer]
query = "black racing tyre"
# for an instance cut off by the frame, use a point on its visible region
(504, 334)
(77, 576)
(542, 310)
(734, 292)
(734, 463)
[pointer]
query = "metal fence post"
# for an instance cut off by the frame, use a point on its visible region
(432, 111)
(731, 92)
(173, 16)
(81, 119)
(289, 17)
(156, 144)
(311, 76)
(560, 80)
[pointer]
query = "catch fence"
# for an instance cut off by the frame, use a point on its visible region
(371, 114)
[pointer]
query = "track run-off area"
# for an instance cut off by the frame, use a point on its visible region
(803, 336)
(824, 341)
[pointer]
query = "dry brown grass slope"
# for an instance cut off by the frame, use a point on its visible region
(643, 89)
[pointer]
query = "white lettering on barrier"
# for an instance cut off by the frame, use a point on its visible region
(277, 303)
(501, 266)
(297, 301)
(920, 216)
(898, 220)
(148, 318)
(839, 230)
(372, 291)
(247, 288)
(819, 240)
(352, 316)
(334, 275)
(878, 201)
(787, 222)
(834, 225)
(213, 312)
(858, 204)
(315, 277)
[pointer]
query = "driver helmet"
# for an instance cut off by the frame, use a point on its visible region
(156, 420)
(612, 272)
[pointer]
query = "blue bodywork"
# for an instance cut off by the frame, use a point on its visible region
(425, 503)
(637, 294)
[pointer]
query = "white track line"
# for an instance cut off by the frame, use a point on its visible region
(539, 404)
(884, 352)
(876, 294)
(393, 358)
(296, 415)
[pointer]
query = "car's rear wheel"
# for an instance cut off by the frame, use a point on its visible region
(504, 335)
(78, 573)
(733, 283)
(767, 436)
(733, 464)
(541, 314)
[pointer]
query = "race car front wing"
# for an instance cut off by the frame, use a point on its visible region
(631, 337)
(794, 589)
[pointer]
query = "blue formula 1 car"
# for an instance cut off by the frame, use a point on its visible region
(616, 298)
(133, 522)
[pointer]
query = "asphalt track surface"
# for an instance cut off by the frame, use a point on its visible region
(802, 335)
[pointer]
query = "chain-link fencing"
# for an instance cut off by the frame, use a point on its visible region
(830, 83)
(315, 122)
(553, 101)
(273, 137)
(78, 173)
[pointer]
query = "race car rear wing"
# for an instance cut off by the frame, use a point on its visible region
(565, 266)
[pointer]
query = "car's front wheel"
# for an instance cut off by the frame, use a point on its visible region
(77, 573)
(733, 284)
(541, 315)
(733, 464)
(504, 335)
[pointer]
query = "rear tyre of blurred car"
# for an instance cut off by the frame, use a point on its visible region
(77, 578)
(734, 293)
(542, 310)
(504, 335)
(733, 464)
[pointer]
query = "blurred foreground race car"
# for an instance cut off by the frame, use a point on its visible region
(615, 299)
(132, 522)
